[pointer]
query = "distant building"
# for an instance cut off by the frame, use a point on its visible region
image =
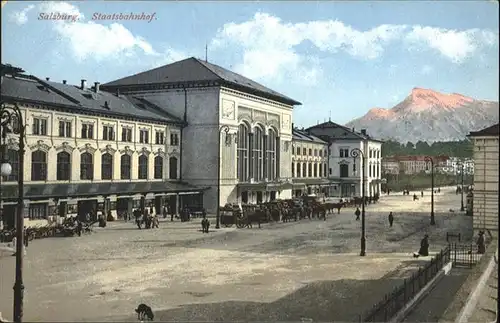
(390, 165)
(485, 208)
(453, 166)
(410, 165)
(344, 171)
(309, 163)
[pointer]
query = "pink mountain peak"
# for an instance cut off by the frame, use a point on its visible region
(379, 112)
(422, 98)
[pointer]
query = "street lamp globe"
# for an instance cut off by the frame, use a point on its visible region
(6, 169)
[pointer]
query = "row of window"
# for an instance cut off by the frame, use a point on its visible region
(257, 154)
(315, 152)
(108, 132)
(373, 170)
(343, 152)
(309, 170)
(39, 166)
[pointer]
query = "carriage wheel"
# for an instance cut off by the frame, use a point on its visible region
(240, 223)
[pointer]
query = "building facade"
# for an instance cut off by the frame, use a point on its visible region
(390, 165)
(89, 151)
(345, 171)
(411, 165)
(309, 164)
(485, 202)
(253, 156)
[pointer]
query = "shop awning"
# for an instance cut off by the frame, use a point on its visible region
(312, 181)
(264, 186)
(43, 191)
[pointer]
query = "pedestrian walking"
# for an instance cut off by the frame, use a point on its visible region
(391, 219)
(481, 246)
(424, 246)
(421, 193)
(357, 213)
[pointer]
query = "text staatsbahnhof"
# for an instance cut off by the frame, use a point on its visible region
(124, 16)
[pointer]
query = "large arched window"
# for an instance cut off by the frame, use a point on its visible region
(63, 166)
(86, 166)
(172, 167)
(271, 155)
(370, 168)
(293, 169)
(315, 170)
(125, 166)
(320, 170)
(325, 173)
(242, 155)
(158, 167)
(107, 166)
(304, 170)
(38, 166)
(143, 167)
(257, 152)
(298, 170)
(309, 170)
(13, 159)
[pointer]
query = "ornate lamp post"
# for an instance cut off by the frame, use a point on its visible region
(430, 160)
(355, 153)
(226, 130)
(11, 120)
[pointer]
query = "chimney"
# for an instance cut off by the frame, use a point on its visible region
(64, 81)
(363, 132)
(83, 84)
(47, 79)
(96, 87)
(106, 105)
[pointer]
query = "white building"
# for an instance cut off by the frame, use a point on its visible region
(454, 166)
(89, 151)
(309, 164)
(344, 170)
(485, 205)
(255, 153)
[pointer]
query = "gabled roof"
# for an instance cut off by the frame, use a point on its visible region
(195, 70)
(486, 132)
(345, 133)
(27, 88)
(302, 135)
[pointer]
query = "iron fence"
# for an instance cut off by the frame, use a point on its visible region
(464, 255)
(394, 301)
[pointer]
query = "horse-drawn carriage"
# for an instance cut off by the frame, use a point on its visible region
(230, 214)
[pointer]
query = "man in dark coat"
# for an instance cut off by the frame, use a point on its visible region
(357, 213)
(481, 246)
(391, 219)
(424, 246)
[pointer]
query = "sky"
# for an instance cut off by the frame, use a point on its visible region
(339, 59)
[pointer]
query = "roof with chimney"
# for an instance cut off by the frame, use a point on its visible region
(32, 90)
(193, 70)
(335, 131)
(493, 130)
(302, 135)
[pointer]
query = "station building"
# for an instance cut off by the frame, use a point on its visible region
(234, 126)
(90, 151)
(309, 164)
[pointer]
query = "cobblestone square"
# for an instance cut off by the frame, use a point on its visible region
(292, 271)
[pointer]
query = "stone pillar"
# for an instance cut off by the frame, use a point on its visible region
(264, 158)
(177, 204)
(250, 155)
(278, 157)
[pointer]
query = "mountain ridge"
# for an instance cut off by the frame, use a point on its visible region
(429, 115)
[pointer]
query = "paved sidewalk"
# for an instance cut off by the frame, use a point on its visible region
(486, 307)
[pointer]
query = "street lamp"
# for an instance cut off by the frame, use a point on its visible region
(225, 129)
(462, 208)
(429, 159)
(355, 153)
(11, 120)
